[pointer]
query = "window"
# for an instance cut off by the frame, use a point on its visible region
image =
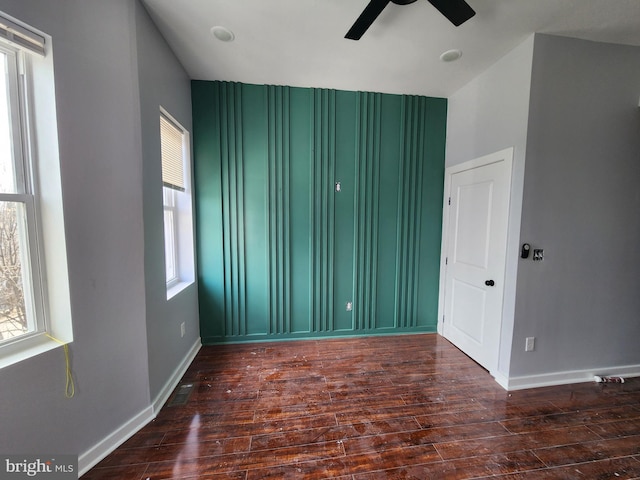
(20, 290)
(31, 243)
(178, 225)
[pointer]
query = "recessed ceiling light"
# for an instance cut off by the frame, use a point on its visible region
(223, 34)
(451, 55)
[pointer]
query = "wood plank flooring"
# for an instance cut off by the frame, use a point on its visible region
(402, 407)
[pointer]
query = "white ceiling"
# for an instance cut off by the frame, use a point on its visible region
(301, 42)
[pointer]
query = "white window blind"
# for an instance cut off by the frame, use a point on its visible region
(21, 37)
(172, 147)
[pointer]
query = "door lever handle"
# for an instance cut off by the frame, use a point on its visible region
(489, 283)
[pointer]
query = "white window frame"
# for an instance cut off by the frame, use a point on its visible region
(178, 201)
(27, 216)
(35, 144)
(171, 251)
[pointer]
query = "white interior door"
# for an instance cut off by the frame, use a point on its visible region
(475, 254)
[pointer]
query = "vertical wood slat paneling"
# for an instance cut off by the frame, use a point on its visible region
(279, 208)
(410, 210)
(415, 279)
(240, 223)
(322, 209)
(233, 208)
(366, 193)
(400, 252)
(226, 212)
(244, 159)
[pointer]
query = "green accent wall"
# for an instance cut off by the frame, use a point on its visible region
(280, 252)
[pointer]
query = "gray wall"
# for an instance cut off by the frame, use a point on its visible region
(164, 82)
(581, 205)
(487, 115)
(99, 107)
(96, 96)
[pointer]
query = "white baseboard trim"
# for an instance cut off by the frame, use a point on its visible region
(173, 381)
(90, 458)
(501, 379)
(99, 451)
(564, 378)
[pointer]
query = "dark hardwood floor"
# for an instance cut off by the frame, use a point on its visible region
(404, 407)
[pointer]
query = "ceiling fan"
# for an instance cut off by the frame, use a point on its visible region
(457, 11)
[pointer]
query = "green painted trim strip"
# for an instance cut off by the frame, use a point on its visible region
(263, 338)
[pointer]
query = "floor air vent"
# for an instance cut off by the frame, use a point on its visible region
(181, 395)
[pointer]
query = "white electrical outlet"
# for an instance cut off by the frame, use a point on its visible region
(530, 344)
(182, 329)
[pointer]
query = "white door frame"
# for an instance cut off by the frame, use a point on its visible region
(505, 155)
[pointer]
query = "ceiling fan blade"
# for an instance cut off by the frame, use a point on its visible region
(457, 11)
(366, 18)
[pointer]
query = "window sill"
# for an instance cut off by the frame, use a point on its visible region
(26, 348)
(175, 289)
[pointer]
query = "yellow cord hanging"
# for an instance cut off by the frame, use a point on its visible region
(69, 390)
